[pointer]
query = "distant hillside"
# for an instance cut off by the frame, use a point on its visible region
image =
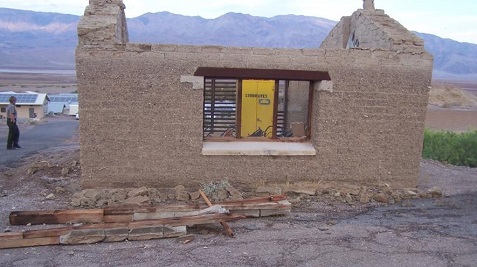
(231, 29)
(47, 40)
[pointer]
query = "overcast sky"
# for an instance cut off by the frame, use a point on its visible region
(455, 19)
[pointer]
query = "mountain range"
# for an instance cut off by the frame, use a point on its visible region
(41, 40)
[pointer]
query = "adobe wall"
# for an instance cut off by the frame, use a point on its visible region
(141, 126)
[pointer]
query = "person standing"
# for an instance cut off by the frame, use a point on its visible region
(13, 131)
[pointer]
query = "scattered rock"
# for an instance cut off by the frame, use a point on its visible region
(435, 192)
(234, 193)
(220, 194)
(138, 200)
(40, 164)
(59, 190)
(181, 194)
(143, 191)
(309, 192)
(65, 171)
(381, 198)
(364, 198)
(262, 190)
(195, 195)
(31, 171)
(349, 199)
(50, 196)
(185, 239)
(407, 204)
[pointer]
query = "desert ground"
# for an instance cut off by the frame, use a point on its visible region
(320, 231)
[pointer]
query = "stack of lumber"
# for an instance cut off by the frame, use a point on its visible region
(114, 224)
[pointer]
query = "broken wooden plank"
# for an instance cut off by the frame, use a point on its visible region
(130, 209)
(216, 209)
(56, 217)
(10, 235)
(227, 228)
(249, 207)
(117, 210)
(183, 221)
(92, 233)
(66, 229)
(31, 242)
(120, 218)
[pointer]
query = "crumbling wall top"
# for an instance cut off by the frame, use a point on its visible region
(103, 23)
(371, 28)
(368, 5)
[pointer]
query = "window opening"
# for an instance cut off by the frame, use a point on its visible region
(260, 110)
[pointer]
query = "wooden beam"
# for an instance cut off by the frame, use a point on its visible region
(10, 235)
(56, 217)
(262, 74)
(125, 214)
(20, 243)
(227, 229)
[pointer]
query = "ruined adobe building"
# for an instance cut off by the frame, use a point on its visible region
(144, 107)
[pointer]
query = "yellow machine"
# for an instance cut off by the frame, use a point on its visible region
(257, 107)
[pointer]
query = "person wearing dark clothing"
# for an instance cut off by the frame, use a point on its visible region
(13, 131)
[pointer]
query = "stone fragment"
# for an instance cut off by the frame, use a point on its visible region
(435, 192)
(40, 164)
(65, 171)
(138, 200)
(269, 190)
(185, 239)
(117, 196)
(180, 193)
(349, 199)
(76, 202)
(364, 198)
(195, 195)
(304, 191)
(87, 203)
(234, 193)
(381, 198)
(60, 190)
(396, 195)
(220, 194)
(143, 191)
(91, 194)
(50, 196)
(82, 237)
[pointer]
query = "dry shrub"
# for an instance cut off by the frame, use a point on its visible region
(448, 95)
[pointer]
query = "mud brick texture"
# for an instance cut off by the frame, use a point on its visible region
(140, 126)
